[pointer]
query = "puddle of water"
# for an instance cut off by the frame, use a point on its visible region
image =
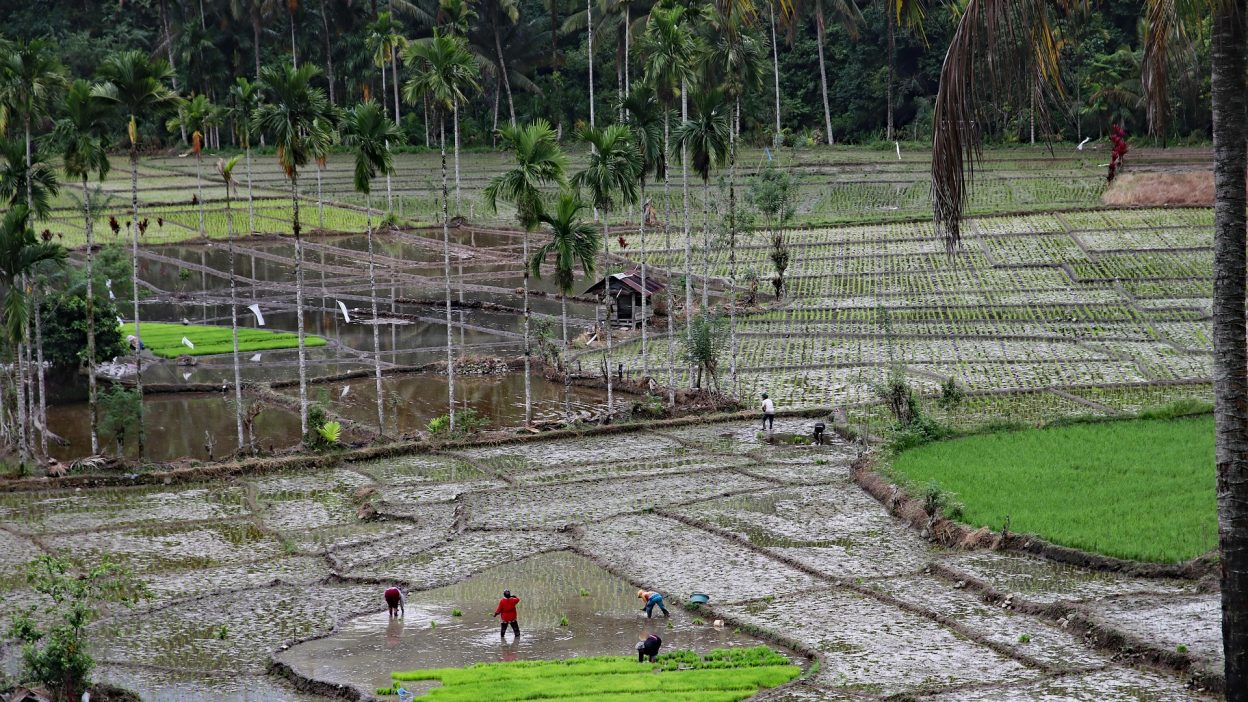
(602, 612)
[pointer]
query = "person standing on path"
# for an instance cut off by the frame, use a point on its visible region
(507, 610)
(652, 600)
(394, 600)
(769, 415)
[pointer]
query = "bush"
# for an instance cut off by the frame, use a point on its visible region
(63, 315)
(54, 637)
(467, 421)
(323, 434)
(1179, 408)
(649, 407)
(951, 394)
(119, 415)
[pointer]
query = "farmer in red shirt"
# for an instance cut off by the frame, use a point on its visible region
(394, 600)
(507, 608)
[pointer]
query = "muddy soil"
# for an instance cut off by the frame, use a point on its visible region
(788, 548)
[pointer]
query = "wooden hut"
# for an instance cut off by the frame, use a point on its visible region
(624, 293)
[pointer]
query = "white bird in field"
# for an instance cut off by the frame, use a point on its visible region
(187, 343)
(255, 358)
(1085, 140)
(255, 309)
(345, 317)
(897, 144)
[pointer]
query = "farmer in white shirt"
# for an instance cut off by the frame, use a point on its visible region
(769, 414)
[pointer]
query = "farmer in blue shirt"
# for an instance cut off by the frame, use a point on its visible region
(652, 599)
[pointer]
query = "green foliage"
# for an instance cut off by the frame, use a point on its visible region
(457, 612)
(1134, 489)
(64, 317)
(330, 433)
(951, 394)
(1024, 638)
(119, 415)
(165, 340)
(1185, 407)
(723, 675)
(896, 393)
(54, 635)
(705, 343)
(467, 421)
(649, 407)
(563, 621)
(320, 429)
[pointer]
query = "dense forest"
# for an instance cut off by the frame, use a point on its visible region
(534, 57)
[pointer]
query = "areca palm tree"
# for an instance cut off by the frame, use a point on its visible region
(138, 87)
(445, 73)
(1005, 49)
(226, 170)
(245, 100)
(21, 254)
(193, 117)
(704, 136)
(611, 175)
(31, 80)
(645, 114)
(573, 241)
(367, 131)
(669, 50)
(82, 135)
(539, 162)
(299, 117)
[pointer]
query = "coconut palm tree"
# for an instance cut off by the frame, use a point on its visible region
(705, 137)
(82, 133)
(1006, 49)
(611, 175)
(138, 87)
(909, 14)
(245, 100)
(226, 170)
(539, 162)
(851, 18)
(193, 117)
(21, 254)
(367, 131)
(444, 72)
(500, 13)
(299, 117)
(669, 50)
(572, 241)
(645, 115)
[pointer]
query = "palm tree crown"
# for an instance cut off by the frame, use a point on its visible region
(297, 115)
(138, 85)
(21, 253)
(705, 134)
(445, 71)
(573, 241)
(81, 133)
(31, 79)
(669, 49)
(367, 130)
(539, 161)
(614, 166)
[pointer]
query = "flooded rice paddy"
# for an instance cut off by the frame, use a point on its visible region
(788, 548)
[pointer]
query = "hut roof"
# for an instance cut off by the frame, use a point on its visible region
(630, 280)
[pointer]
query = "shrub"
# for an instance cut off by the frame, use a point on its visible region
(951, 394)
(119, 415)
(323, 434)
(467, 421)
(649, 407)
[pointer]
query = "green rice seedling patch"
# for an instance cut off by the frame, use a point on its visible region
(165, 340)
(1137, 489)
(722, 675)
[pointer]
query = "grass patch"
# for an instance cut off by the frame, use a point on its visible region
(165, 340)
(1140, 489)
(723, 675)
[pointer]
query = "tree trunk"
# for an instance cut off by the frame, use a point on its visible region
(823, 72)
(39, 372)
(134, 286)
(91, 385)
(645, 363)
(1230, 364)
(251, 199)
(394, 75)
(294, 55)
(589, 19)
(628, 39)
(372, 298)
(320, 207)
(684, 184)
(329, 53)
(238, 373)
(732, 252)
(528, 345)
(384, 109)
(458, 211)
(567, 370)
(256, 26)
(303, 355)
(775, 62)
(502, 72)
(706, 245)
(199, 191)
(446, 269)
(892, 67)
(667, 246)
(606, 316)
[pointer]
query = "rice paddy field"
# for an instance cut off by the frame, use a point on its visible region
(169, 340)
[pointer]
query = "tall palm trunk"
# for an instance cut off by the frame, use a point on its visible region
(502, 72)
(199, 192)
(528, 344)
(892, 68)
(394, 73)
(823, 72)
(1230, 364)
(567, 349)
(384, 110)
(251, 198)
(303, 354)
(645, 365)
(256, 27)
(389, 188)
(589, 21)
(606, 299)
(39, 370)
(775, 63)
(134, 285)
(238, 373)
(667, 246)
(91, 390)
(372, 298)
(684, 184)
(320, 207)
(446, 269)
(20, 364)
(455, 107)
(732, 252)
(294, 56)
(706, 245)
(329, 53)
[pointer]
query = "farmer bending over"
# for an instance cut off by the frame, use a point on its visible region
(394, 600)
(652, 599)
(648, 647)
(507, 609)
